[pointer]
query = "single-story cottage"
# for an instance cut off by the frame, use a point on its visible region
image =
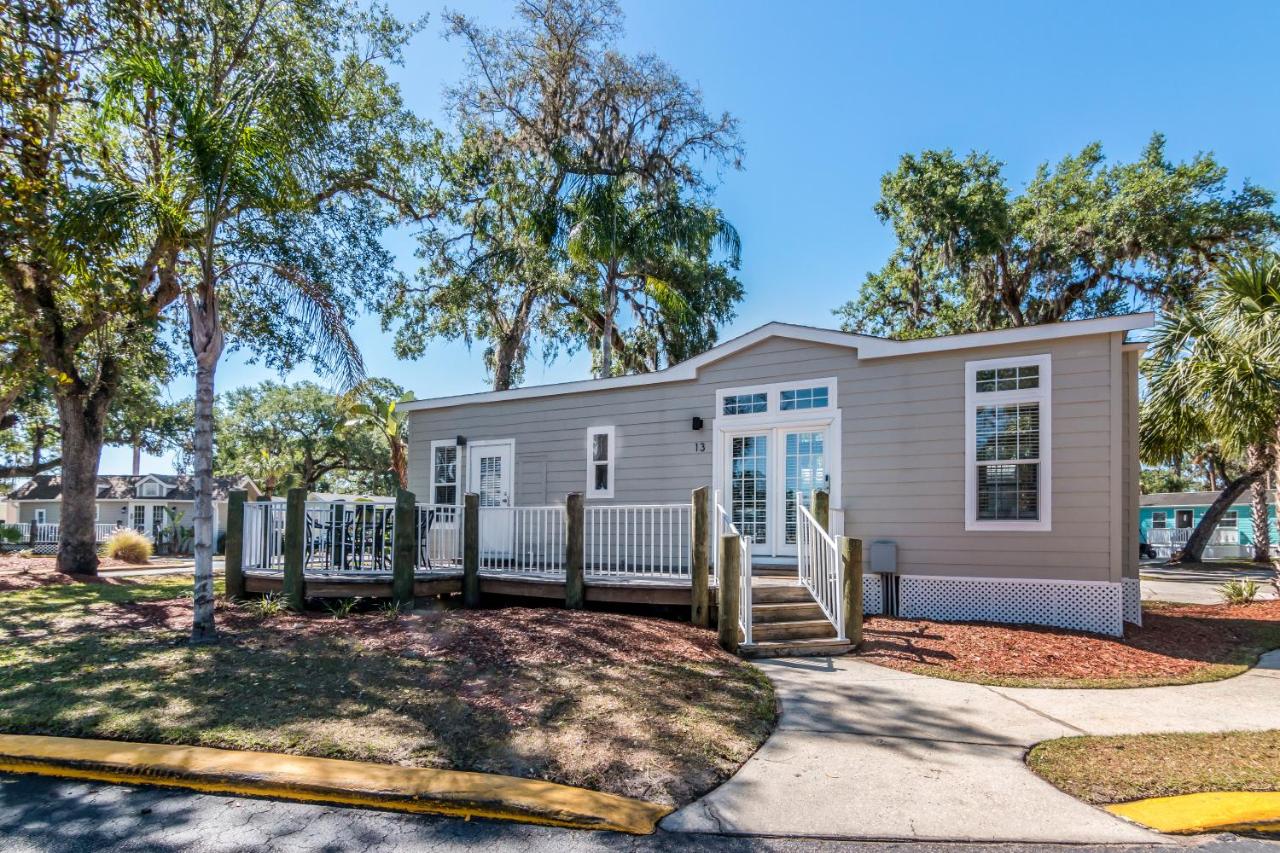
(990, 476)
(1166, 519)
(145, 502)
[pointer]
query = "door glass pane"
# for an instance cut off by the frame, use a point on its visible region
(491, 481)
(157, 519)
(749, 486)
(140, 518)
(806, 470)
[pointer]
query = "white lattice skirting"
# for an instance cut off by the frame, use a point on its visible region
(872, 594)
(1096, 606)
(1132, 600)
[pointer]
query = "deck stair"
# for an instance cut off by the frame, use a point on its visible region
(786, 621)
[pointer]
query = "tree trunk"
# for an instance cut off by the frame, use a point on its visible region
(1194, 551)
(1259, 458)
(504, 358)
(83, 427)
(206, 345)
(137, 458)
(399, 461)
(606, 332)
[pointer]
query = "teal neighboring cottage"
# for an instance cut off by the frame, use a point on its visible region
(1165, 520)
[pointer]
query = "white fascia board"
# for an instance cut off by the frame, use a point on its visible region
(867, 347)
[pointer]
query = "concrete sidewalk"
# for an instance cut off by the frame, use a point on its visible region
(863, 751)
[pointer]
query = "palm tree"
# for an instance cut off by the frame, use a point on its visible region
(634, 246)
(391, 422)
(239, 142)
(1213, 377)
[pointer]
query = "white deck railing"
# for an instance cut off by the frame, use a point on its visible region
(723, 526)
(523, 539)
(620, 541)
(627, 540)
(821, 569)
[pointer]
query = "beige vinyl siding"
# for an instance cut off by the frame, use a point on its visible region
(903, 452)
(1133, 479)
(27, 511)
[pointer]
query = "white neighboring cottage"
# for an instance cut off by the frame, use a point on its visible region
(991, 476)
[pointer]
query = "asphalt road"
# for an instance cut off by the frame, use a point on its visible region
(39, 815)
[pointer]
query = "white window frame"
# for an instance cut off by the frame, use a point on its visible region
(611, 462)
(39, 515)
(457, 471)
(973, 399)
(1164, 519)
(1234, 515)
(773, 412)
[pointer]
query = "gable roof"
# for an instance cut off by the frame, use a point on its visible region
(123, 487)
(868, 348)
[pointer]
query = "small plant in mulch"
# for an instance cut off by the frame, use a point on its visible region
(269, 605)
(1239, 591)
(341, 608)
(390, 610)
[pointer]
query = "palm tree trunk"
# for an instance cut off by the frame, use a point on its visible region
(606, 332)
(137, 458)
(206, 345)
(1258, 458)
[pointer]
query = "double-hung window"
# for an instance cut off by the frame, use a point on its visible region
(1159, 519)
(601, 452)
(1230, 520)
(444, 473)
(1007, 413)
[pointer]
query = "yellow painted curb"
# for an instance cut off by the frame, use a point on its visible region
(1223, 811)
(328, 780)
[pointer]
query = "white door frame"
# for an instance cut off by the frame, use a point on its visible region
(724, 428)
(496, 528)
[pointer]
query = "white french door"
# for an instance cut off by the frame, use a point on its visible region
(767, 472)
(489, 472)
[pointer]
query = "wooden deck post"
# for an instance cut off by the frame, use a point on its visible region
(728, 603)
(851, 556)
(233, 544)
(575, 587)
(403, 553)
(699, 605)
(295, 524)
(470, 550)
(821, 506)
(31, 540)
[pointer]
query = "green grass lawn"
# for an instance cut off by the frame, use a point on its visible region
(635, 706)
(1103, 770)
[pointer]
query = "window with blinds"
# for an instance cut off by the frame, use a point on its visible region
(1007, 454)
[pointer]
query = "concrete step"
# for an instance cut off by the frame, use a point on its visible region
(767, 571)
(792, 611)
(794, 648)
(779, 594)
(808, 629)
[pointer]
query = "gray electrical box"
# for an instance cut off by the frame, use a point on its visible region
(884, 557)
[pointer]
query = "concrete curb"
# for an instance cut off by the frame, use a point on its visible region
(327, 780)
(1223, 811)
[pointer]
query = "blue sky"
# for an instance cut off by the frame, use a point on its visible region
(830, 94)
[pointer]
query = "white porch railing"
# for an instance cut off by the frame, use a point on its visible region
(439, 536)
(1178, 536)
(628, 540)
(523, 539)
(724, 526)
(263, 548)
(821, 569)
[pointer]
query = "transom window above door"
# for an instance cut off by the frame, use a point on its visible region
(776, 399)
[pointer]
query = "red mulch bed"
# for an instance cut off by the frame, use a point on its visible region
(30, 572)
(1176, 643)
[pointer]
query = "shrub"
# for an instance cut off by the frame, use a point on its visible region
(128, 545)
(1238, 591)
(12, 535)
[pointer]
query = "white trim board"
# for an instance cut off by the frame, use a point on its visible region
(868, 348)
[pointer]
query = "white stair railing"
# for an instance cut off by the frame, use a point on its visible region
(821, 569)
(724, 526)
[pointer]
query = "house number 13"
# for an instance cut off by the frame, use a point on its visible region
(699, 447)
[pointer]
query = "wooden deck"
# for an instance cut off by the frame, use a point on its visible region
(636, 589)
